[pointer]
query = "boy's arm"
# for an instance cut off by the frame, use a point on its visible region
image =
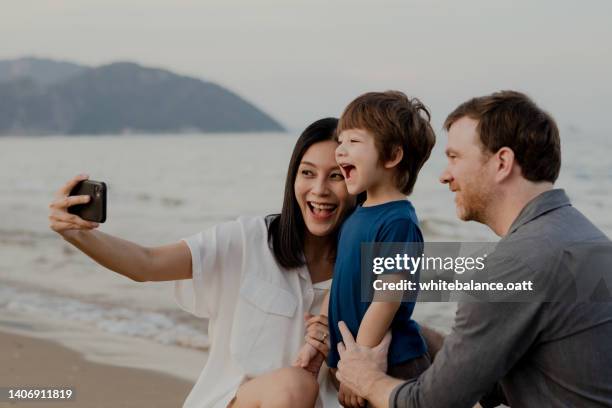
(385, 302)
(380, 313)
(376, 322)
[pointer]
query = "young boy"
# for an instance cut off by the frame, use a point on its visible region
(384, 138)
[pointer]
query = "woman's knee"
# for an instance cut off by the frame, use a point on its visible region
(300, 382)
(295, 387)
(286, 387)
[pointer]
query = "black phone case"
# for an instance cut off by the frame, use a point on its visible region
(95, 209)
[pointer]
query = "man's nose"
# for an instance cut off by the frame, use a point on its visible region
(445, 177)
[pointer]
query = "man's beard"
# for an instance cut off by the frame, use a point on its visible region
(475, 200)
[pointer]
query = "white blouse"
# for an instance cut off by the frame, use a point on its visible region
(255, 310)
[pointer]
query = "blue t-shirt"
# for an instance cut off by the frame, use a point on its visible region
(394, 221)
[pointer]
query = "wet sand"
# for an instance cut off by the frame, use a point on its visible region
(29, 362)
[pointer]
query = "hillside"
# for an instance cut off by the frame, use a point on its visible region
(117, 98)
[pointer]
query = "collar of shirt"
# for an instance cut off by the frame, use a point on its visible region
(545, 202)
(304, 273)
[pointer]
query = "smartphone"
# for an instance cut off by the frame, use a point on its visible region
(95, 209)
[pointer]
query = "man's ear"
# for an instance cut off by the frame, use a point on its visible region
(398, 155)
(504, 162)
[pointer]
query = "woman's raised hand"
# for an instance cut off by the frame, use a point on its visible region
(317, 332)
(60, 220)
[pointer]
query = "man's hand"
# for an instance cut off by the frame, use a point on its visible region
(349, 399)
(361, 366)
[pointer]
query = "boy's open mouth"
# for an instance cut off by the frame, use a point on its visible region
(347, 170)
(321, 210)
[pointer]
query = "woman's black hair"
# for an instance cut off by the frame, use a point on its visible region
(286, 230)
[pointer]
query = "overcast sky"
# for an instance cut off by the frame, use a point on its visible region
(301, 60)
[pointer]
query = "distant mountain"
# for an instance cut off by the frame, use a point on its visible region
(44, 71)
(117, 98)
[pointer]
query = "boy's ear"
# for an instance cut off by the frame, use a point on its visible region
(398, 155)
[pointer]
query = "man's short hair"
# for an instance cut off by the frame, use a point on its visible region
(511, 119)
(395, 121)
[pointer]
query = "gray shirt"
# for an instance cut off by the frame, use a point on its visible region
(541, 354)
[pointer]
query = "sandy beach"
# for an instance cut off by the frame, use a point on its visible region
(105, 370)
(29, 362)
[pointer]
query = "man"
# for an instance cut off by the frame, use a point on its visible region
(503, 158)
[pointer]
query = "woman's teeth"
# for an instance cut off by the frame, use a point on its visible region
(322, 209)
(323, 206)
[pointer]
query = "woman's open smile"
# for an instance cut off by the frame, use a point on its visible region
(320, 189)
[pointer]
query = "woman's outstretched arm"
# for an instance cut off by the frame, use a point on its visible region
(141, 264)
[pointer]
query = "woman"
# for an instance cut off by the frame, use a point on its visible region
(253, 278)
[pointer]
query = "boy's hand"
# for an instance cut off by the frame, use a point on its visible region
(347, 398)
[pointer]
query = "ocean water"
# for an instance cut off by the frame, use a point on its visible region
(165, 187)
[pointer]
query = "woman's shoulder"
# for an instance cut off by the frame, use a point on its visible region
(250, 223)
(237, 232)
(249, 228)
(253, 221)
